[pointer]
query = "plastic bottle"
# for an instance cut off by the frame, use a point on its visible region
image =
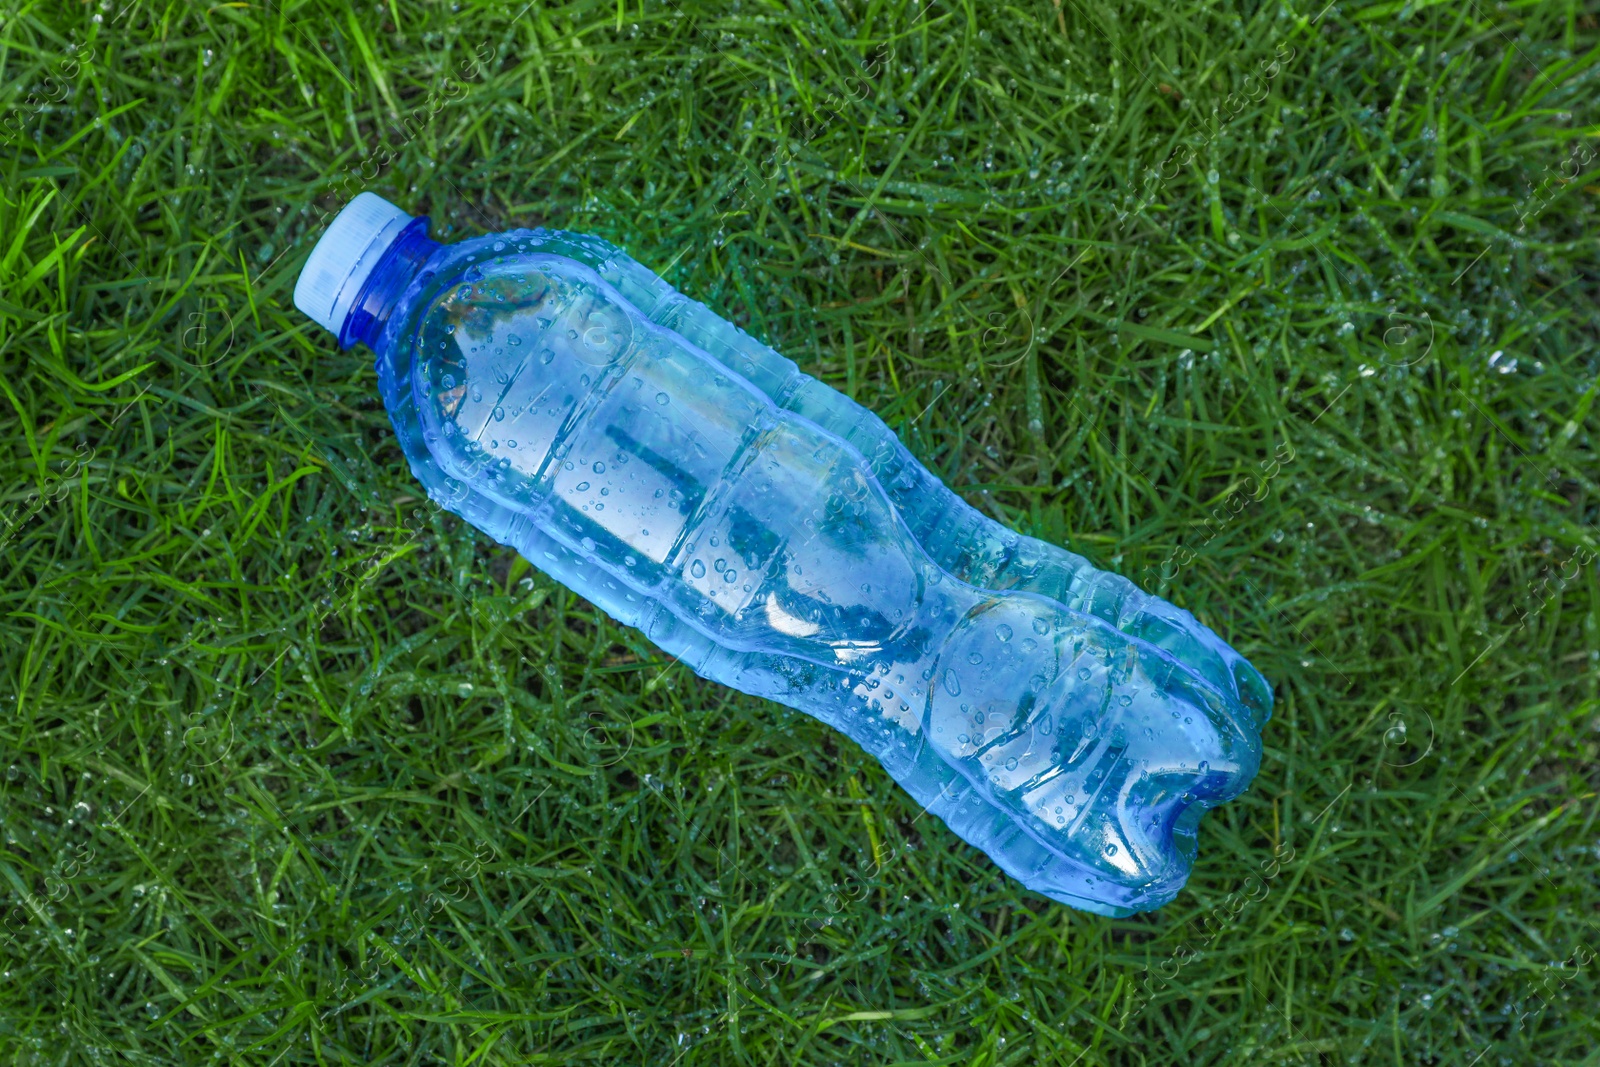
(775, 537)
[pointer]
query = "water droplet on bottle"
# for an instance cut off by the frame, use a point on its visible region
(1205, 766)
(952, 684)
(1041, 626)
(499, 414)
(1084, 673)
(662, 398)
(581, 487)
(1011, 764)
(1003, 632)
(698, 569)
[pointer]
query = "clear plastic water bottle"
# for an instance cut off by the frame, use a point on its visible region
(776, 537)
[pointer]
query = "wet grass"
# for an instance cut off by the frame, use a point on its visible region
(1289, 313)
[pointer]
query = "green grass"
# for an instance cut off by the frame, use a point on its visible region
(297, 769)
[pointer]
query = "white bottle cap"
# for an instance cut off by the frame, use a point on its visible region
(346, 254)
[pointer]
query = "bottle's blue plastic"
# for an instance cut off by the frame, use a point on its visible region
(776, 537)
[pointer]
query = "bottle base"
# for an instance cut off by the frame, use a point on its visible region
(945, 793)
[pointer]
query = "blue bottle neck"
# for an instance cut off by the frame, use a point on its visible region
(381, 292)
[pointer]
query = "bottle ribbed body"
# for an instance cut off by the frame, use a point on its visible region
(775, 537)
